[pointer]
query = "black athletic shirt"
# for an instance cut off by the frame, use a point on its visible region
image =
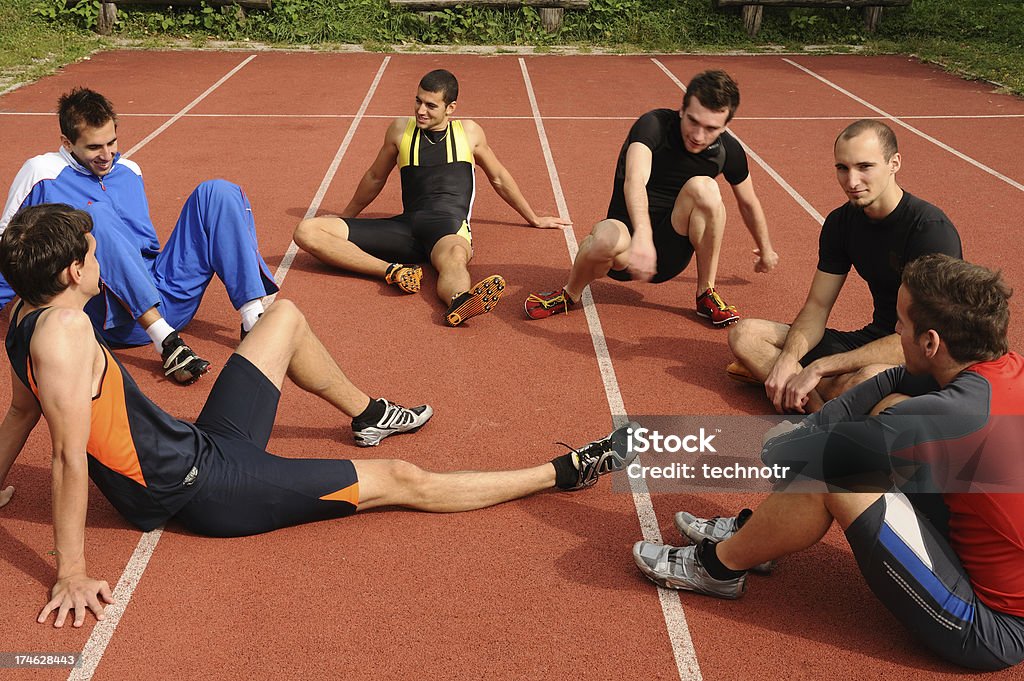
(671, 164)
(880, 250)
(146, 462)
(437, 170)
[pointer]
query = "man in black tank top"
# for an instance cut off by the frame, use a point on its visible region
(213, 476)
(878, 232)
(666, 205)
(437, 156)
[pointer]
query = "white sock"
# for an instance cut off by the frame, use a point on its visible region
(251, 312)
(158, 331)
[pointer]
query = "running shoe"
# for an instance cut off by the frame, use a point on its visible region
(541, 305)
(717, 529)
(606, 455)
(180, 363)
(476, 301)
(680, 568)
(396, 419)
(405, 277)
(738, 371)
(711, 306)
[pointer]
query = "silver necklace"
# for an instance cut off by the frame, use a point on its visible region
(440, 139)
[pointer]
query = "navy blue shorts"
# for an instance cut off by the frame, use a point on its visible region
(914, 572)
(246, 490)
(835, 342)
(674, 250)
(406, 238)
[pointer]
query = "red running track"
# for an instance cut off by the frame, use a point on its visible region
(544, 587)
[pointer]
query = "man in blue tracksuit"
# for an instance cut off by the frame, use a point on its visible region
(147, 293)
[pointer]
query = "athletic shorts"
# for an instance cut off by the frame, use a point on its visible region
(915, 573)
(834, 342)
(245, 490)
(674, 250)
(406, 238)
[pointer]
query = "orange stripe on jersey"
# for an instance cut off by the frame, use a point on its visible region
(349, 494)
(110, 438)
(31, 377)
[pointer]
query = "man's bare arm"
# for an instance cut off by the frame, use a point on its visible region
(503, 182)
(886, 350)
(756, 223)
(643, 259)
(64, 354)
(805, 332)
(376, 176)
(22, 416)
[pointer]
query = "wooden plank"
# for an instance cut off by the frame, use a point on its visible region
(551, 18)
(419, 5)
(813, 3)
(752, 15)
(107, 18)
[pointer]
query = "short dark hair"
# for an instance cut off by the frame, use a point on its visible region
(967, 305)
(83, 107)
(715, 90)
(886, 137)
(441, 81)
(39, 243)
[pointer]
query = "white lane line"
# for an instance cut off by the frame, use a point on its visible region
(671, 607)
(942, 145)
(103, 632)
(289, 256)
(188, 107)
(804, 203)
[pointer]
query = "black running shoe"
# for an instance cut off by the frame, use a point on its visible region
(180, 363)
(606, 455)
(476, 301)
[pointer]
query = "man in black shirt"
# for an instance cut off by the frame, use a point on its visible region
(878, 231)
(666, 205)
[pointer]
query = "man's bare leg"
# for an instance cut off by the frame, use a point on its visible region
(699, 214)
(785, 523)
(450, 257)
(282, 344)
(326, 239)
(757, 343)
(399, 483)
(605, 248)
(789, 522)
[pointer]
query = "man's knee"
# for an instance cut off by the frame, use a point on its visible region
(284, 313)
(407, 480)
(451, 251)
(854, 378)
(704, 192)
(312, 233)
(607, 240)
(747, 333)
(215, 192)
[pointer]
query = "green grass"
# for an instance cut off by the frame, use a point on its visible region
(974, 38)
(31, 46)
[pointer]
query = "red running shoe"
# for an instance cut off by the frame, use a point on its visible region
(711, 306)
